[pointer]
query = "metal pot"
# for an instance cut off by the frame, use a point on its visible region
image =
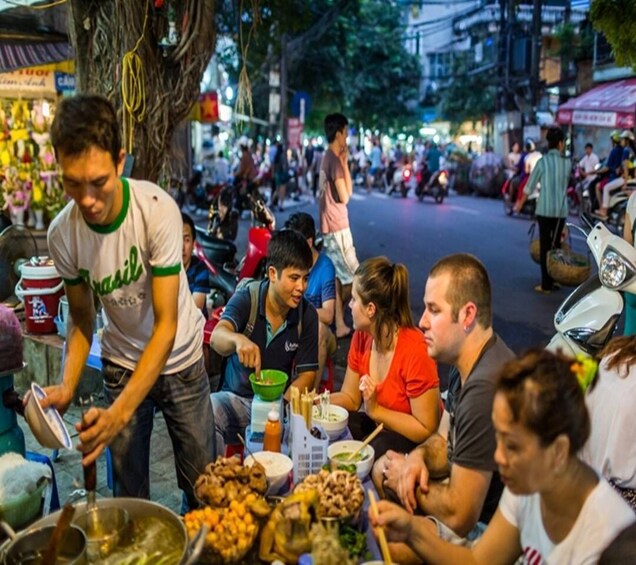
(138, 508)
(29, 546)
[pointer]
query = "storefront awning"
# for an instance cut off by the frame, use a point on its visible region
(15, 56)
(611, 105)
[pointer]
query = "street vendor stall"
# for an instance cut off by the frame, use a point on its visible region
(30, 190)
(593, 115)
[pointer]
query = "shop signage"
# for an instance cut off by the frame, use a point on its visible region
(621, 120)
(24, 82)
(64, 82)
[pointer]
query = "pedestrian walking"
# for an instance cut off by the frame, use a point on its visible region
(553, 172)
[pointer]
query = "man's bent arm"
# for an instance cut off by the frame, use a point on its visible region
(223, 337)
(80, 335)
(434, 452)
(457, 503)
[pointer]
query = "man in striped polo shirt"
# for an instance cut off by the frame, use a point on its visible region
(553, 172)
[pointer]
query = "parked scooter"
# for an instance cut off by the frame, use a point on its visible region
(587, 319)
(199, 195)
(436, 186)
(219, 255)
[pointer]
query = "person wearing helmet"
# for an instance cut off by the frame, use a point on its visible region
(626, 171)
(613, 168)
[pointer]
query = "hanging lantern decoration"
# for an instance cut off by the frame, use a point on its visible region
(209, 107)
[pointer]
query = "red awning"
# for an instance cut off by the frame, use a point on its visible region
(611, 105)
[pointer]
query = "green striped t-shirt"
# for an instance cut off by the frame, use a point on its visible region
(553, 172)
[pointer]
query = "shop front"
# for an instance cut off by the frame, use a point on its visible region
(593, 115)
(30, 191)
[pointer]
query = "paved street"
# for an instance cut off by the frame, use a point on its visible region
(407, 231)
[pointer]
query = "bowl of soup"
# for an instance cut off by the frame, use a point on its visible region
(334, 422)
(269, 385)
(339, 457)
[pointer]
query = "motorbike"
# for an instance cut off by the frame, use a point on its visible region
(219, 255)
(402, 179)
(199, 194)
(616, 209)
(436, 185)
(587, 318)
(510, 193)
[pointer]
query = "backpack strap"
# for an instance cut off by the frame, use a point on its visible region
(254, 288)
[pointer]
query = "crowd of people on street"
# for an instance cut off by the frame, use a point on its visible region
(523, 453)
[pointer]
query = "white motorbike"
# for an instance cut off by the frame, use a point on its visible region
(587, 318)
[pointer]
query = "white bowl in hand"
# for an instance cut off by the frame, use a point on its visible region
(335, 423)
(277, 468)
(45, 423)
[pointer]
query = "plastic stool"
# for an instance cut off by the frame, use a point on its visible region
(55, 498)
(234, 449)
(327, 384)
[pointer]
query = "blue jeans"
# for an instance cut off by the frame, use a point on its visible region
(184, 400)
(231, 417)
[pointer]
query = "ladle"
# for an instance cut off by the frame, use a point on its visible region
(61, 528)
(249, 451)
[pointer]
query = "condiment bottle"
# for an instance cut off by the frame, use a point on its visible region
(271, 441)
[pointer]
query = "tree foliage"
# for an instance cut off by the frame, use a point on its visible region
(347, 54)
(468, 97)
(162, 83)
(616, 19)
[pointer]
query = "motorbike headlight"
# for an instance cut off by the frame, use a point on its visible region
(614, 270)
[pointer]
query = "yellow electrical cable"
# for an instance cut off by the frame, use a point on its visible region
(43, 7)
(133, 92)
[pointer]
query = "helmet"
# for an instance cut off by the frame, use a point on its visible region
(529, 145)
(615, 136)
(626, 134)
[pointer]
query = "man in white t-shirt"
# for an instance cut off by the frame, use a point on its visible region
(120, 240)
(587, 165)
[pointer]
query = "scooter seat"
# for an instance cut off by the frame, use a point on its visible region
(219, 251)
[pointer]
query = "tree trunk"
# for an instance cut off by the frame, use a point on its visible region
(103, 31)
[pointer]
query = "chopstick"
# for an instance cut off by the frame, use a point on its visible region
(366, 442)
(384, 546)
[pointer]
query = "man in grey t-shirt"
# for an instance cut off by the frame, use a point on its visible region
(457, 325)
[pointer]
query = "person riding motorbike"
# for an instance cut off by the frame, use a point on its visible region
(627, 173)
(244, 176)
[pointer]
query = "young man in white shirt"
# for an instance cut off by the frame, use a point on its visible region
(120, 240)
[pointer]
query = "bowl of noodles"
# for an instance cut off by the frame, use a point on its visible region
(339, 457)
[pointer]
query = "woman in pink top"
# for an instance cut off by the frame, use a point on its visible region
(388, 368)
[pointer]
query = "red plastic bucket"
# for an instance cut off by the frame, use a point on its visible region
(40, 288)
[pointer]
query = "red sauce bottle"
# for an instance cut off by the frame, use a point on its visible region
(271, 441)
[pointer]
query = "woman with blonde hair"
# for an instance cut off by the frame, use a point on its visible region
(388, 367)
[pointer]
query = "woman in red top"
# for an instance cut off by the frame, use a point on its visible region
(388, 368)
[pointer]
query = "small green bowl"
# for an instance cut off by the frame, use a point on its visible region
(271, 385)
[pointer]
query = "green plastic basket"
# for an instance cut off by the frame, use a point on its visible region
(21, 510)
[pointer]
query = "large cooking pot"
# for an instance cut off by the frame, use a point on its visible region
(30, 546)
(138, 508)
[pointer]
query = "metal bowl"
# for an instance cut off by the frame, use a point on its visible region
(28, 547)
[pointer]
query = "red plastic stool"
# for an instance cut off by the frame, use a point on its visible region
(328, 383)
(234, 449)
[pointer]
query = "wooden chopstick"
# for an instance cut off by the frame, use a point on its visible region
(384, 546)
(366, 441)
